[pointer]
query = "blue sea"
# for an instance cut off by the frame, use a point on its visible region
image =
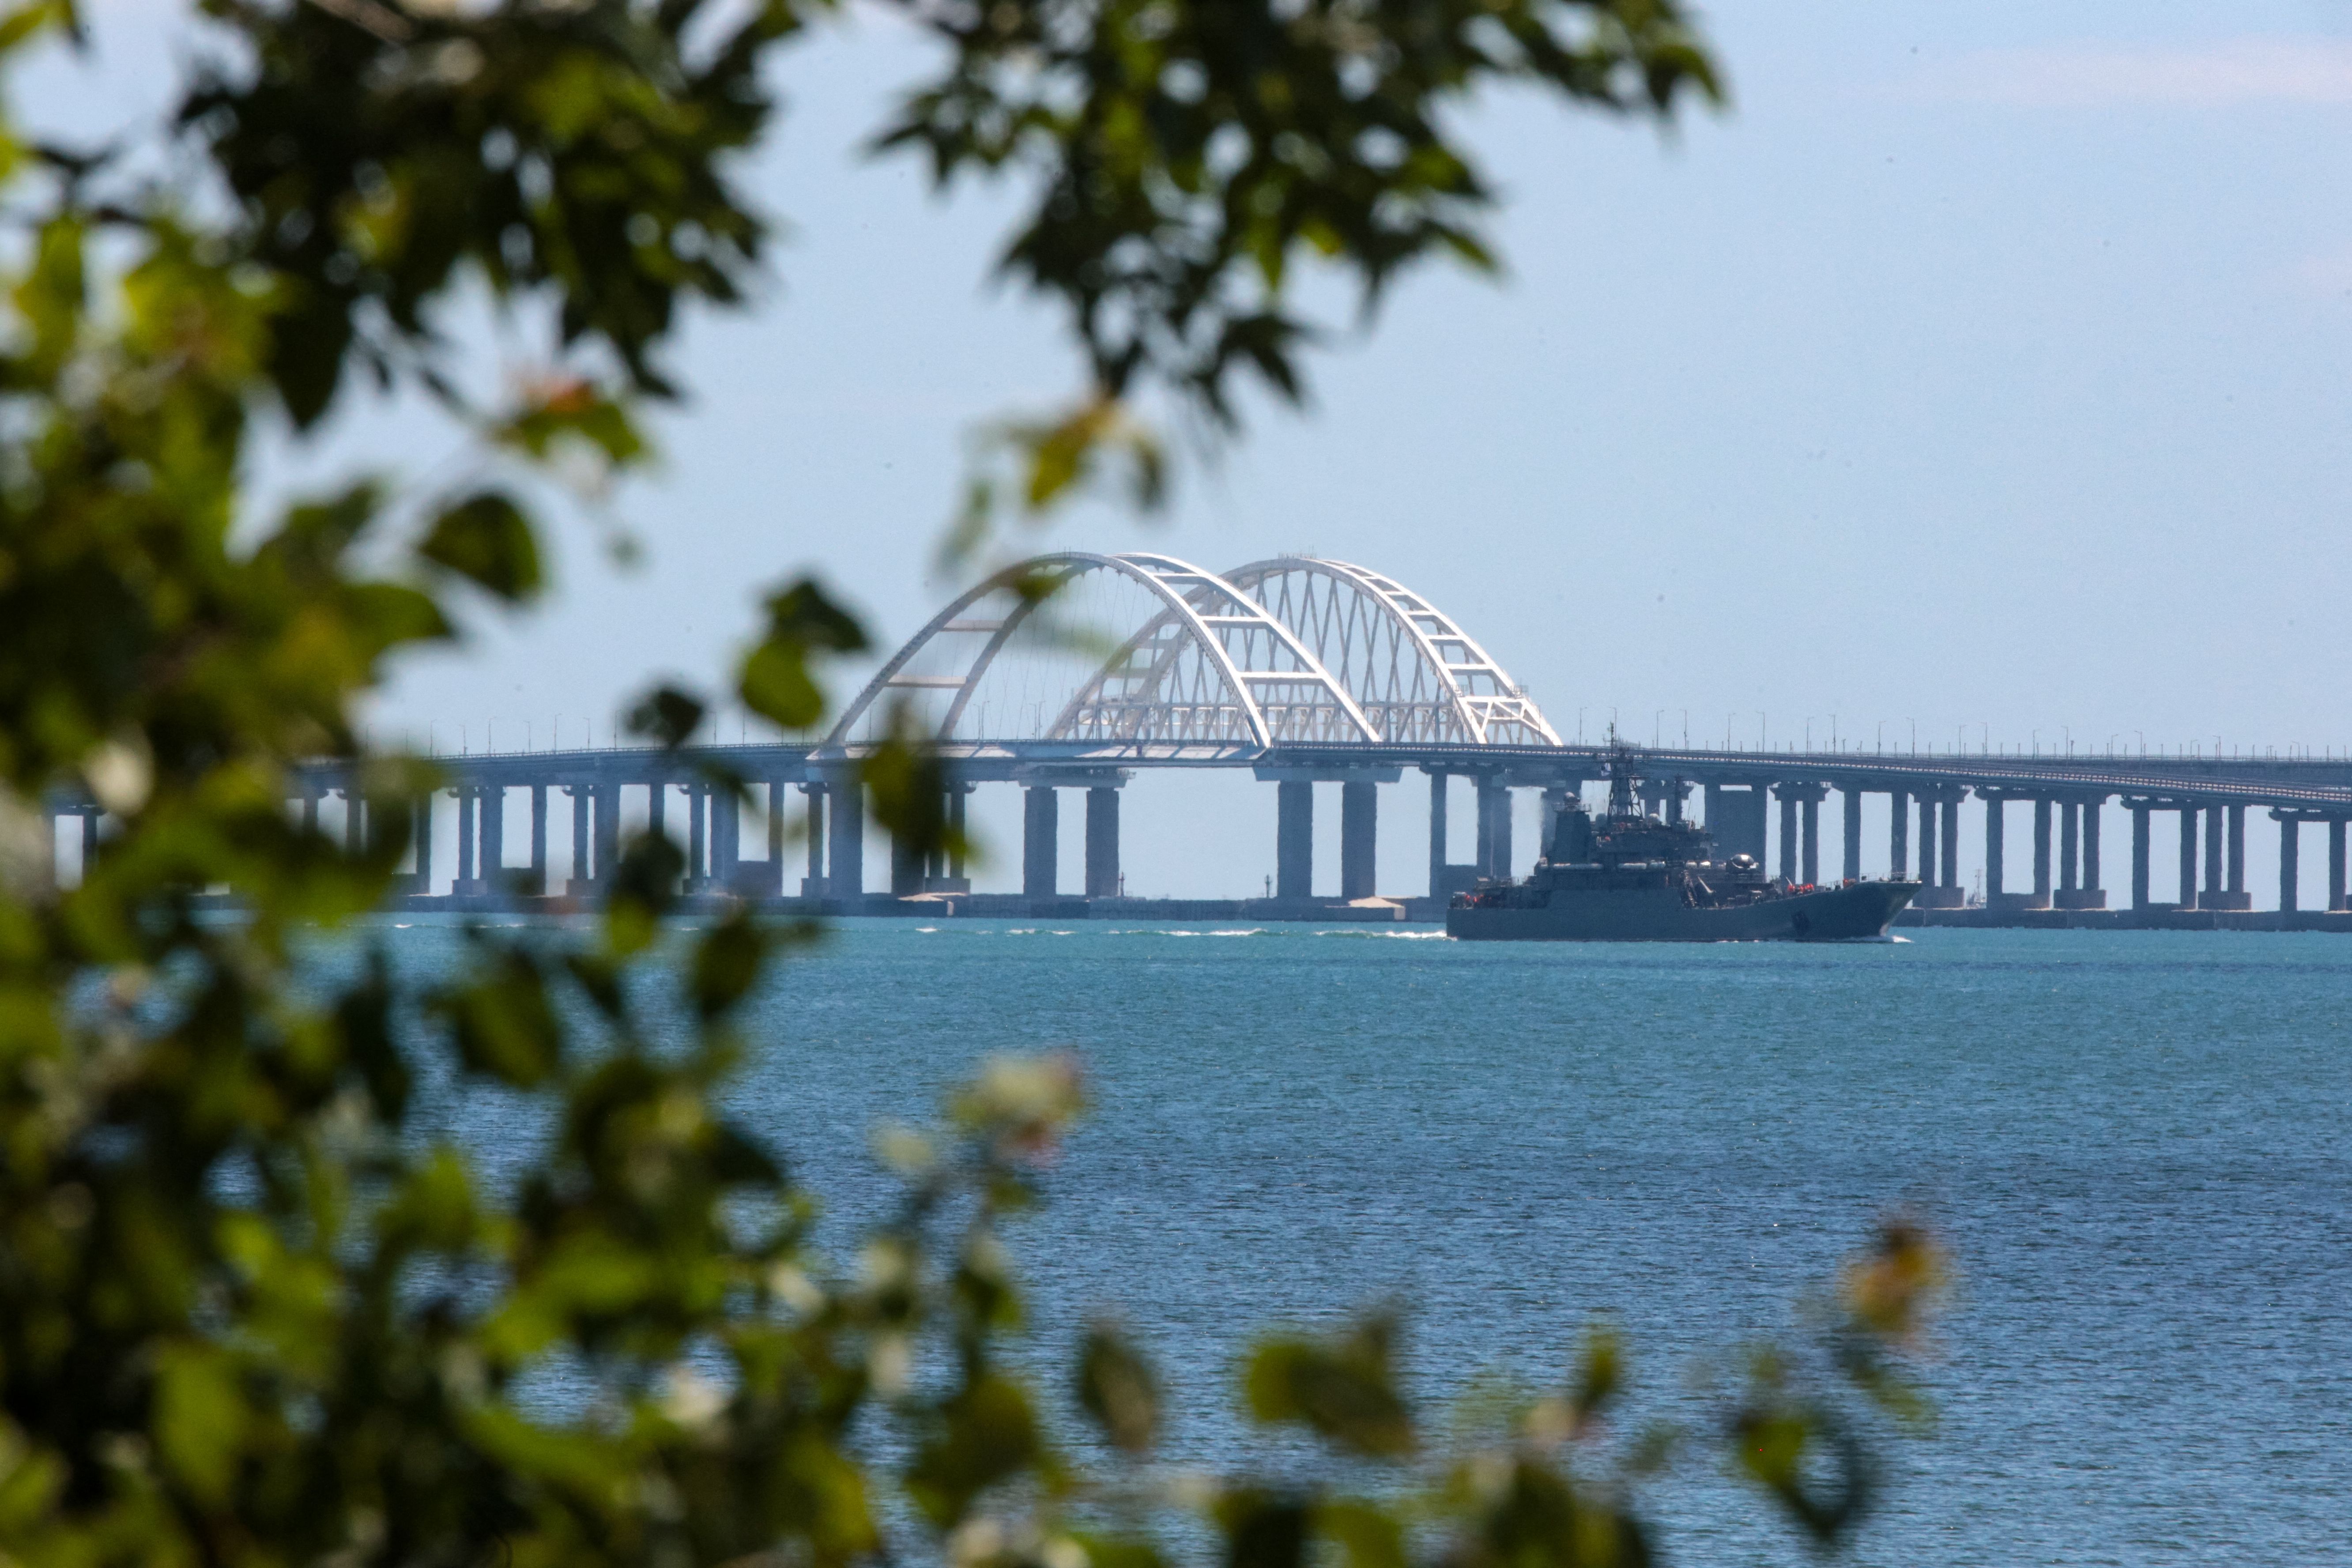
(2133, 1143)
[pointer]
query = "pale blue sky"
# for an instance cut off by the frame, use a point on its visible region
(1983, 365)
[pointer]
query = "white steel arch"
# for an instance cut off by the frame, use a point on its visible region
(1210, 665)
(1417, 676)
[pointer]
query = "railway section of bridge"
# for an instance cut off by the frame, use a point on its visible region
(1315, 675)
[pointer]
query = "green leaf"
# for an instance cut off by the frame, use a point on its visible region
(486, 539)
(1118, 1387)
(504, 1022)
(1343, 1388)
(778, 679)
(727, 963)
(666, 716)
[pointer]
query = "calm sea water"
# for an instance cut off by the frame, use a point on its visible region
(2135, 1142)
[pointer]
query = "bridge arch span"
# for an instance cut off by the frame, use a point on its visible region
(1416, 675)
(1202, 663)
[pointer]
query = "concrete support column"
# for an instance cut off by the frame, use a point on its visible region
(774, 882)
(354, 822)
(1851, 798)
(310, 819)
(608, 831)
(1809, 858)
(2237, 848)
(1928, 858)
(90, 833)
(813, 879)
(726, 835)
(906, 866)
(2091, 877)
(467, 805)
(958, 795)
(424, 842)
(1788, 835)
(1359, 805)
(1437, 889)
(2042, 853)
(2215, 839)
(2335, 863)
(2290, 870)
(1293, 839)
(1494, 828)
(583, 816)
(2070, 817)
(846, 813)
(697, 837)
(491, 813)
(1951, 841)
(538, 884)
(1041, 841)
(657, 811)
(1102, 842)
(1899, 835)
(1995, 848)
(2139, 856)
(2188, 857)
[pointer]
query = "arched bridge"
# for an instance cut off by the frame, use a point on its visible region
(1075, 670)
(1146, 658)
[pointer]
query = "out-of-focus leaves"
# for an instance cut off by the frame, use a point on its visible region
(1180, 157)
(982, 1434)
(907, 786)
(1264, 1528)
(779, 676)
(1342, 1387)
(1800, 1453)
(1119, 1389)
(644, 889)
(727, 964)
(502, 1018)
(667, 716)
(486, 539)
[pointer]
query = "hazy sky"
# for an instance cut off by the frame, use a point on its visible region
(1983, 367)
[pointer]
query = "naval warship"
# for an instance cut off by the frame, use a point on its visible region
(1629, 876)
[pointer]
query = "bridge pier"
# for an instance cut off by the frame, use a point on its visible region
(1851, 799)
(697, 837)
(846, 814)
(1293, 839)
(2188, 857)
(1899, 835)
(1996, 846)
(1041, 841)
(2040, 853)
(2335, 863)
(1102, 841)
(2069, 826)
(1928, 820)
(2238, 856)
(537, 882)
(812, 877)
(467, 885)
(773, 883)
(490, 829)
(1359, 803)
(1495, 855)
(423, 882)
(2216, 840)
(2140, 898)
(2290, 850)
(1800, 823)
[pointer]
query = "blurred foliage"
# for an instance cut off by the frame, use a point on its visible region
(256, 1308)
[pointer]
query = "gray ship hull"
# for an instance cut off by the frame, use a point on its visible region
(1861, 910)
